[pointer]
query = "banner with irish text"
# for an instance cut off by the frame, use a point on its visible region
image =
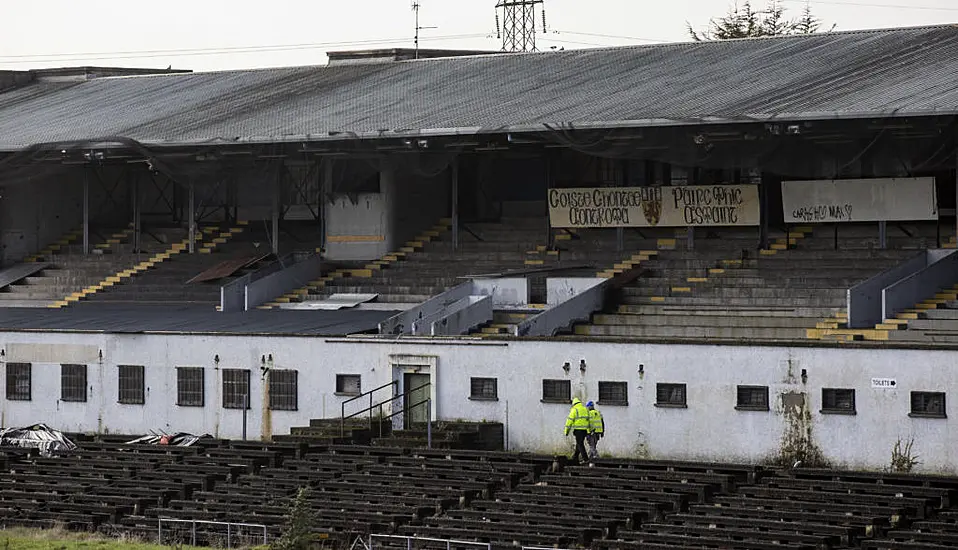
(694, 205)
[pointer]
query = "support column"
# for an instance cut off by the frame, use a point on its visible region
(276, 189)
(327, 192)
(882, 234)
(623, 182)
(763, 212)
(191, 214)
(136, 214)
(455, 204)
(86, 210)
(690, 237)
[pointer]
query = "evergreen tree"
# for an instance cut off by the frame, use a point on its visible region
(743, 21)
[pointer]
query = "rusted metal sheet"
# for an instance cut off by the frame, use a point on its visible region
(226, 268)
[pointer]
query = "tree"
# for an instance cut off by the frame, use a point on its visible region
(743, 21)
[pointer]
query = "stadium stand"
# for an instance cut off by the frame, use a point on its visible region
(506, 499)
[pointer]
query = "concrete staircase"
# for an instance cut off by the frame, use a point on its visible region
(165, 282)
(929, 322)
(775, 295)
(428, 265)
(72, 271)
(480, 436)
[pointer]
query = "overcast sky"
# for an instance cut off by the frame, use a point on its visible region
(227, 34)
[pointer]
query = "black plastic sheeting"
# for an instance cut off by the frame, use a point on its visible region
(179, 439)
(188, 319)
(38, 436)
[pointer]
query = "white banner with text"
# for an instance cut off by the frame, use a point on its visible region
(699, 205)
(859, 200)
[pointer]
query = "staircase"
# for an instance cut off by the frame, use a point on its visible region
(477, 436)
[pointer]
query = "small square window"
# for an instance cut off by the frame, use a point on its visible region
(751, 398)
(556, 391)
(613, 393)
(19, 381)
(131, 385)
(283, 390)
(236, 388)
(73, 383)
(670, 395)
(190, 390)
(483, 389)
(348, 384)
(838, 401)
(927, 404)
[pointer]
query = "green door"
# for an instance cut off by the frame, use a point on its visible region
(416, 408)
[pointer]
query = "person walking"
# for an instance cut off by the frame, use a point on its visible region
(578, 423)
(596, 429)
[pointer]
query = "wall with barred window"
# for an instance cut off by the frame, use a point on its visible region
(846, 406)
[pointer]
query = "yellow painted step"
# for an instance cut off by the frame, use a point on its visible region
(731, 262)
(716, 271)
(415, 244)
(563, 237)
(886, 326)
(607, 274)
(361, 273)
(657, 299)
(666, 243)
(907, 316)
(697, 279)
(681, 289)
(765, 252)
(407, 249)
(535, 262)
(779, 246)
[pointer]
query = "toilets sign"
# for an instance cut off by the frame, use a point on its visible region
(884, 383)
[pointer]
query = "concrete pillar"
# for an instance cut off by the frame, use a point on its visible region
(274, 237)
(86, 210)
(455, 204)
(388, 187)
(191, 215)
(882, 235)
(326, 192)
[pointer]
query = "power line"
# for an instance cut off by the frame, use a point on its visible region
(614, 36)
(872, 5)
(34, 58)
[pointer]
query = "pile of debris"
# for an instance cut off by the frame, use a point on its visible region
(38, 436)
(179, 439)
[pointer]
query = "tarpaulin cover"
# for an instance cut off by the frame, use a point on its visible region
(180, 439)
(37, 436)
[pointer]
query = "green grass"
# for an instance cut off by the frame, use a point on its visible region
(58, 539)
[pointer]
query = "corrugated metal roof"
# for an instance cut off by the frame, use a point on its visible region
(190, 319)
(895, 72)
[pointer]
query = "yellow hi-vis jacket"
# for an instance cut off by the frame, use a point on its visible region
(596, 422)
(578, 417)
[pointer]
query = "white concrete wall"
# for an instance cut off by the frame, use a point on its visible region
(358, 230)
(709, 429)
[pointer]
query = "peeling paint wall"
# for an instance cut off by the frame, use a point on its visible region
(709, 428)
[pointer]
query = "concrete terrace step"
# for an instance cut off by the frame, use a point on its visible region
(730, 320)
(701, 290)
(719, 332)
(816, 313)
(790, 302)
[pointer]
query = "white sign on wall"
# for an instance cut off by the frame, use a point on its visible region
(859, 200)
(884, 383)
(679, 206)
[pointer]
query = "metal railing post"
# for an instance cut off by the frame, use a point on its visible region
(428, 424)
(193, 536)
(229, 537)
(159, 531)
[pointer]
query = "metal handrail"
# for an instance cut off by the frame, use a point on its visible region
(379, 405)
(343, 417)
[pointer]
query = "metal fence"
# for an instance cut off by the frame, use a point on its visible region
(398, 542)
(244, 534)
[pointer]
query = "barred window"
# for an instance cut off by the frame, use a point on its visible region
(131, 385)
(752, 398)
(19, 382)
(73, 383)
(838, 401)
(235, 388)
(190, 390)
(283, 390)
(613, 393)
(556, 391)
(670, 395)
(483, 389)
(348, 384)
(928, 404)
